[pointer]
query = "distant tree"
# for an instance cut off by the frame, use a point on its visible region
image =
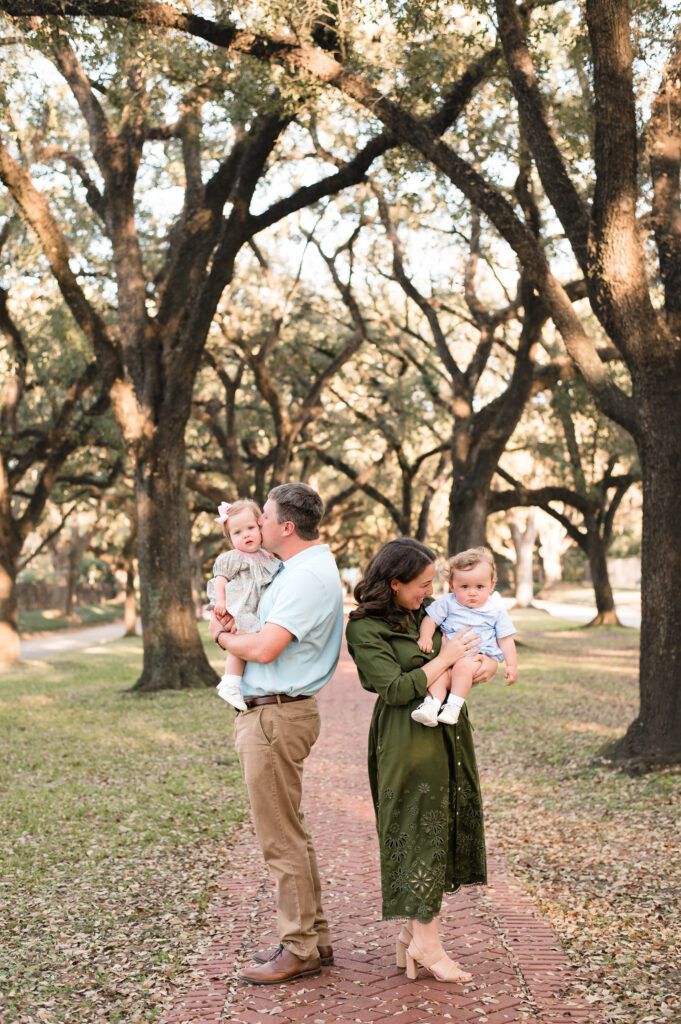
(524, 531)
(591, 466)
(273, 371)
(50, 402)
(460, 369)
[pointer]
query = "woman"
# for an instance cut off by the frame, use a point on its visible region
(424, 781)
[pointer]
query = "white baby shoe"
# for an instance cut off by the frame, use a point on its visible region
(426, 713)
(450, 711)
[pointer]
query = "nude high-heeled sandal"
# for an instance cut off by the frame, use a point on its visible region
(403, 940)
(451, 972)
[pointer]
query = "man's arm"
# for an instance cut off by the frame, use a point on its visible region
(264, 646)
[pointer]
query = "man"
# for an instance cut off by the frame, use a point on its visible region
(288, 661)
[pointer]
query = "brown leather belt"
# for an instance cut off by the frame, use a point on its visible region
(275, 698)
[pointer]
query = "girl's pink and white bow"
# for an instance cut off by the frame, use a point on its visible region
(223, 511)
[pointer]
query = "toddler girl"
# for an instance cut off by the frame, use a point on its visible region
(472, 575)
(239, 578)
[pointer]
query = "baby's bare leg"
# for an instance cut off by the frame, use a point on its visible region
(234, 666)
(441, 686)
(462, 676)
(461, 681)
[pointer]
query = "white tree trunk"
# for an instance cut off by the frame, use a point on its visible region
(524, 529)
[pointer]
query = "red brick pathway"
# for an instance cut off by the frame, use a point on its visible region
(520, 973)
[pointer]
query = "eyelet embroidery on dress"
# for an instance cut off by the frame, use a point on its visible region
(428, 848)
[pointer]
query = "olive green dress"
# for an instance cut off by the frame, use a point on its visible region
(424, 781)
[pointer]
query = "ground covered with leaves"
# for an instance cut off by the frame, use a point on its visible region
(119, 810)
(117, 814)
(598, 848)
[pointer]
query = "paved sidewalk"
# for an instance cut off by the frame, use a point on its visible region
(70, 640)
(520, 974)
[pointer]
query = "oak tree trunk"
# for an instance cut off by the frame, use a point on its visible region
(130, 613)
(524, 538)
(606, 614)
(468, 511)
(9, 626)
(654, 737)
(174, 657)
(10, 546)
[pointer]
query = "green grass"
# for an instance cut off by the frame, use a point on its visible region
(598, 848)
(47, 620)
(117, 814)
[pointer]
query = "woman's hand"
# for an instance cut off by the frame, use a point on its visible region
(486, 671)
(462, 643)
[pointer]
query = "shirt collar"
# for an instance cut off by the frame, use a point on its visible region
(304, 555)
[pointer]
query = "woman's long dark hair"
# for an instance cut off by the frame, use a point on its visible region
(402, 559)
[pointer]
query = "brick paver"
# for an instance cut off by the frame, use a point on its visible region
(520, 973)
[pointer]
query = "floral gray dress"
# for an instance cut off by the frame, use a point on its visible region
(424, 782)
(247, 576)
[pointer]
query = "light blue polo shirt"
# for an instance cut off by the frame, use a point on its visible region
(305, 597)
(491, 622)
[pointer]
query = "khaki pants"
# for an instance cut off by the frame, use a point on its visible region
(273, 741)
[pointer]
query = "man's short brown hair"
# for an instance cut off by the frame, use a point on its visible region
(301, 505)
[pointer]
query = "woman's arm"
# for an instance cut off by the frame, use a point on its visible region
(380, 671)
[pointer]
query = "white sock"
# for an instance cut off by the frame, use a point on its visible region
(231, 681)
(429, 697)
(454, 699)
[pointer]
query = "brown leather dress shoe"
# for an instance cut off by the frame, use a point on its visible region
(284, 966)
(263, 956)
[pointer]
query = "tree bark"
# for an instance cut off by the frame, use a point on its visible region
(596, 549)
(130, 612)
(10, 546)
(174, 657)
(9, 623)
(468, 511)
(654, 737)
